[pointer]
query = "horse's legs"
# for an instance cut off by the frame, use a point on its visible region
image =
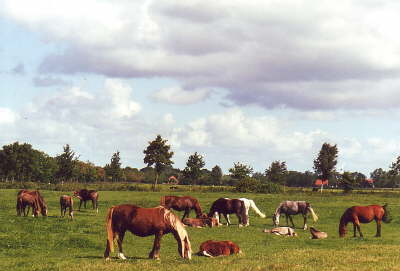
(291, 221)
(155, 252)
(84, 204)
(71, 212)
(186, 214)
(80, 204)
(120, 239)
(227, 218)
(355, 230)
(287, 220)
(378, 228)
(305, 222)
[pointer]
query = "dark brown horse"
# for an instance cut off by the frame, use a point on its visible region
(145, 222)
(184, 203)
(42, 206)
(227, 206)
(363, 214)
(26, 200)
(84, 195)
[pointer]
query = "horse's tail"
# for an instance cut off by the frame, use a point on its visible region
(109, 228)
(180, 234)
(313, 214)
(255, 209)
(386, 216)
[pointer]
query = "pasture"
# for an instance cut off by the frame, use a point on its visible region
(54, 243)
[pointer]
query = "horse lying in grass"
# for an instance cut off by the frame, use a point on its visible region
(40, 204)
(185, 203)
(316, 234)
(145, 222)
(229, 206)
(283, 231)
(67, 202)
(200, 222)
(84, 195)
(293, 208)
(212, 248)
(364, 214)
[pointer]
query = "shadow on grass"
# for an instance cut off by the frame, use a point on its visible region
(132, 258)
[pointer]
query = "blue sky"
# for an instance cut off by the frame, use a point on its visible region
(235, 81)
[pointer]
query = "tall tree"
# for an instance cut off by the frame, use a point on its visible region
(277, 172)
(216, 175)
(325, 163)
(114, 168)
(158, 154)
(66, 164)
(240, 171)
(193, 167)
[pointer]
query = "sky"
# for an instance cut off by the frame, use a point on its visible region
(236, 81)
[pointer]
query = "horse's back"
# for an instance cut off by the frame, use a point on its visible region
(366, 214)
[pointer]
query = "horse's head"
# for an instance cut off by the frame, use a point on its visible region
(43, 211)
(342, 230)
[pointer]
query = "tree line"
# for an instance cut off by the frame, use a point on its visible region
(21, 162)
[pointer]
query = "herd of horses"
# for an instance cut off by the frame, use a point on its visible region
(160, 220)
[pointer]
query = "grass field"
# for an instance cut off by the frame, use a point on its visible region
(52, 243)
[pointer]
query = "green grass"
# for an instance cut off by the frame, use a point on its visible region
(53, 243)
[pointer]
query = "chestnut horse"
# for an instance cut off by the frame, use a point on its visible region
(41, 203)
(26, 200)
(184, 203)
(84, 195)
(227, 206)
(145, 222)
(67, 202)
(211, 248)
(363, 214)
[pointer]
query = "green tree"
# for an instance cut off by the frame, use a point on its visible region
(325, 163)
(277, 172)
(349, 181)
(113, 169)
(158, 154)
(240, 171)
(193, 167)
(66, 164)
(216, 175)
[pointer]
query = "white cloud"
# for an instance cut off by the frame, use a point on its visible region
(177, 95)
(323, 56)
(7, 116)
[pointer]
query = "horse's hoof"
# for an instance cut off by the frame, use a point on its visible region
(108, 259)
(121, 256)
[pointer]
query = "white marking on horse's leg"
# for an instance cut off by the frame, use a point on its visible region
(121, 256)
(206, 254)
(305, 227)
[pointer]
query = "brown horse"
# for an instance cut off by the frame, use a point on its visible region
(84, 195)
(26, 200)
(363, 214)
(42, 206)
(67, 202)
(184, 203)
(227, 206)
(213, 248)
(145, 222)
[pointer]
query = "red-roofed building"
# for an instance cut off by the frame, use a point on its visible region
(320, 182)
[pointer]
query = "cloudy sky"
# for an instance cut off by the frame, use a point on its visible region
(249, 81)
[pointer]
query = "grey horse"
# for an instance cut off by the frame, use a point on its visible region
(289, 208)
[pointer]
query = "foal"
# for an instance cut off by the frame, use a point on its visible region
(67, 202)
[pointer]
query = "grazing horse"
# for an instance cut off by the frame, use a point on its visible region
(212, 248)
(227, 206)
(67, 202)
(248, 203)
(41, 203)
(293, 208)
(145, 222)
(363, 214)
(316, 234)
(26, 200)
(184, 203)
(84, 195)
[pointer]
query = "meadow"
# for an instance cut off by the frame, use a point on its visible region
(54, 243)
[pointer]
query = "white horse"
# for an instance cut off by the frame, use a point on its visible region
(249, 203)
